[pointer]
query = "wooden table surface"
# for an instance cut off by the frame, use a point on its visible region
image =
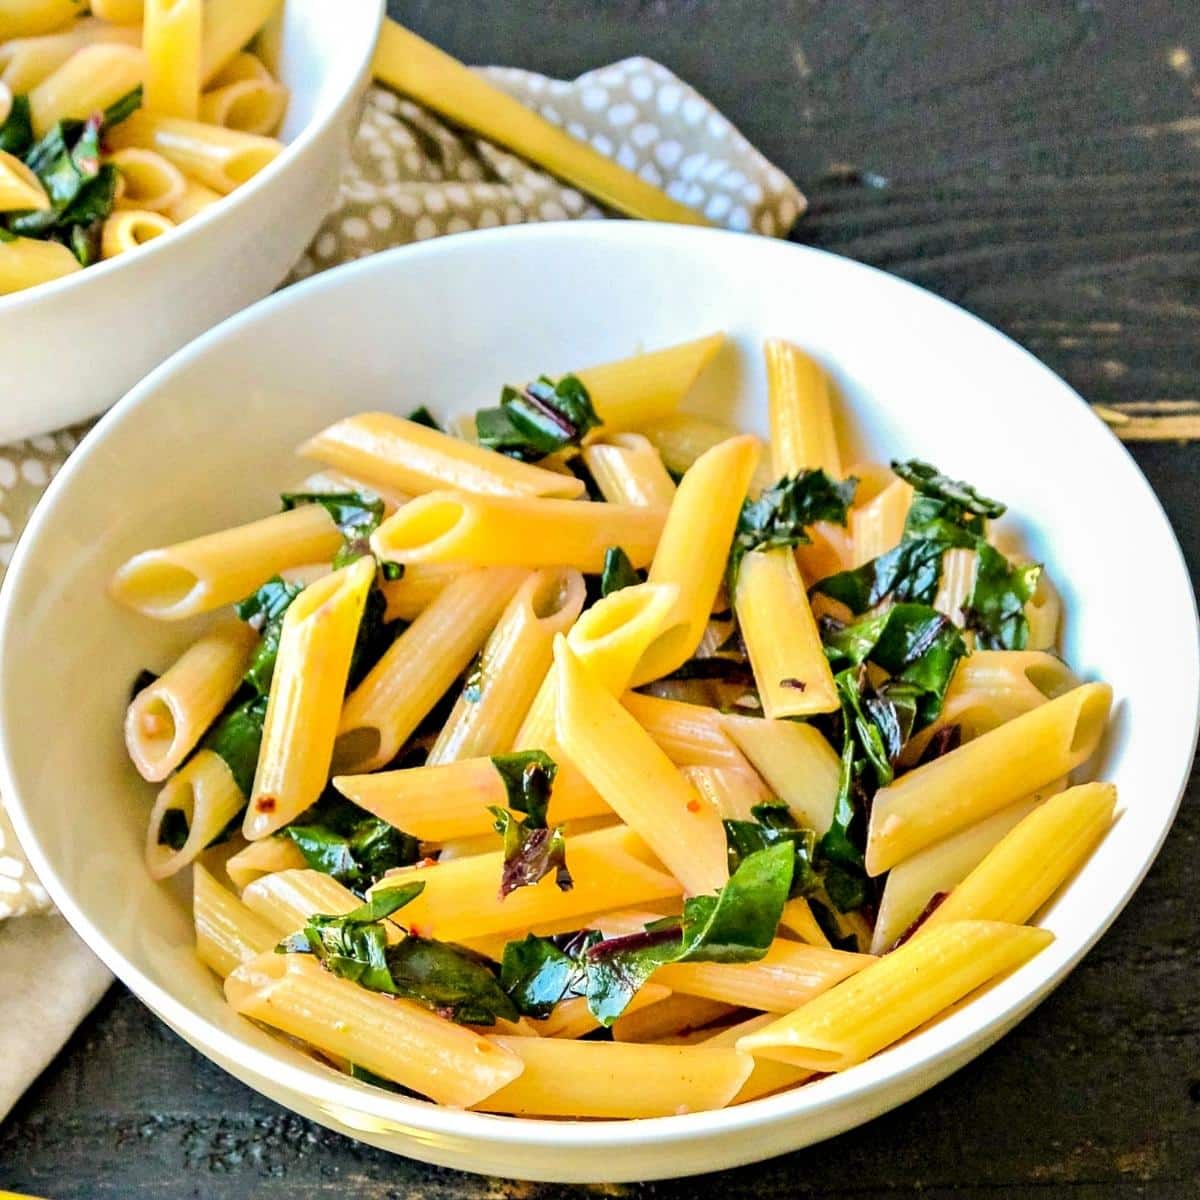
(1037, 161)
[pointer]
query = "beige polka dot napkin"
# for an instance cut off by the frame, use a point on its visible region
(412, 177)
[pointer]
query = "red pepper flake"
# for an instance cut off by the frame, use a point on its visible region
(265, 804)
(693, 805)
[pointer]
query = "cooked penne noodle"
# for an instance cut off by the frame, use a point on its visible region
(694, 548)
(229, 25)
(195, 199)
(448, 802)
(938, 799)
(671, 1017)
(511, 666)
(798, 919)
(286, 899)
(630, 392)
(1043, 612)
(305, 702)
(410, 595)
(682, 438)
(381, 713)
(1031, 862)
(691, 735)
(802, 432)
(25, 262)
(895, 995)
(610, 1079)
(121, 12)
(241, 67)
(151, 183)
(509, 530)
(797, 763)
(573, 1019)
(637, 780)
(877, 525)
(460, 899)
(25, 18)
(781, 636)
(398, 1039)
(26, 61)
(207, 795)
(628, 470)
(129, 228)
(94, 77)
(250, 106)
(208, 572)
(168, 717)
(221, 159)
(389, 451)
(957, 584)
(732, 791)
(264, 857)
(172, 40)
(829, 549)
(789, 975)
(768, 1076)
(20, 188)
(911, 886)
(227, 932)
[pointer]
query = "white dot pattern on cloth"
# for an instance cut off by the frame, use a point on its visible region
(412, 178)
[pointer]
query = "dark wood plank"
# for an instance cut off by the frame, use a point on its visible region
(1038, 163)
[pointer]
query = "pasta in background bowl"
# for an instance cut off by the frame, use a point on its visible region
(441, 325)
(238, 175)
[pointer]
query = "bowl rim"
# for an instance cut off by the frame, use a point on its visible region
(955, 1038)
(232, 203)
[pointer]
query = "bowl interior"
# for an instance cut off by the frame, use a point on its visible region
(207, 440)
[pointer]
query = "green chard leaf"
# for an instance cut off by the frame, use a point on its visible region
(531, 849)
(996, 609)
(422, 416)
(174, 829)
(538, 420)
(236, 737)
(773, 823)
(342, 840)
(618, 572)
(452, 980)
(121, 109)
(927, 480)
(265, 610)
(780, 516)
(539, 972)
(16, 134)
(356, 514)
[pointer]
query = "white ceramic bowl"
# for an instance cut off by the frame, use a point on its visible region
(68, 349)
(206, 440)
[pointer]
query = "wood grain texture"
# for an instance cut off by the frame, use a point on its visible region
(1037, 161)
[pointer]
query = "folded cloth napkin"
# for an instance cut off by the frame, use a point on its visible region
(410, 178)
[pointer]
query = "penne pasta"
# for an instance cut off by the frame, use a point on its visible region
(781, 636)
(264, 857)
(249, 106)
(390, 452)
(204, 796)
(671, 1017)
(572, 1018)
(23, 18)
(121, 12)
(733, 792)
(168, 717)
(221, 159)
(94, 77)
(398, 1039)
(957, 584)
(20, 188)
(150, 182)
(878, 524)
(895, 995)
(611, 1079)
(1043, 612)
(984, 775)
(242, 67)
(381, 713)
(229, 25)
(227, 932)
(630, 392)
(1031, 862)
(26, 262)
(303, 709)
(682, 438)
(802, 432)
(411, 594)
(172, 40)
(628, 470)
(694, 548)
(798, 919)
(208, 572)
(691, 735)
(797, 763)
(287, 899)
(637, 780)
(127, 229)
(195, 199)
(768, 1076)
(26, 61)
(511, 666)
(461, 898)
(482, 531)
